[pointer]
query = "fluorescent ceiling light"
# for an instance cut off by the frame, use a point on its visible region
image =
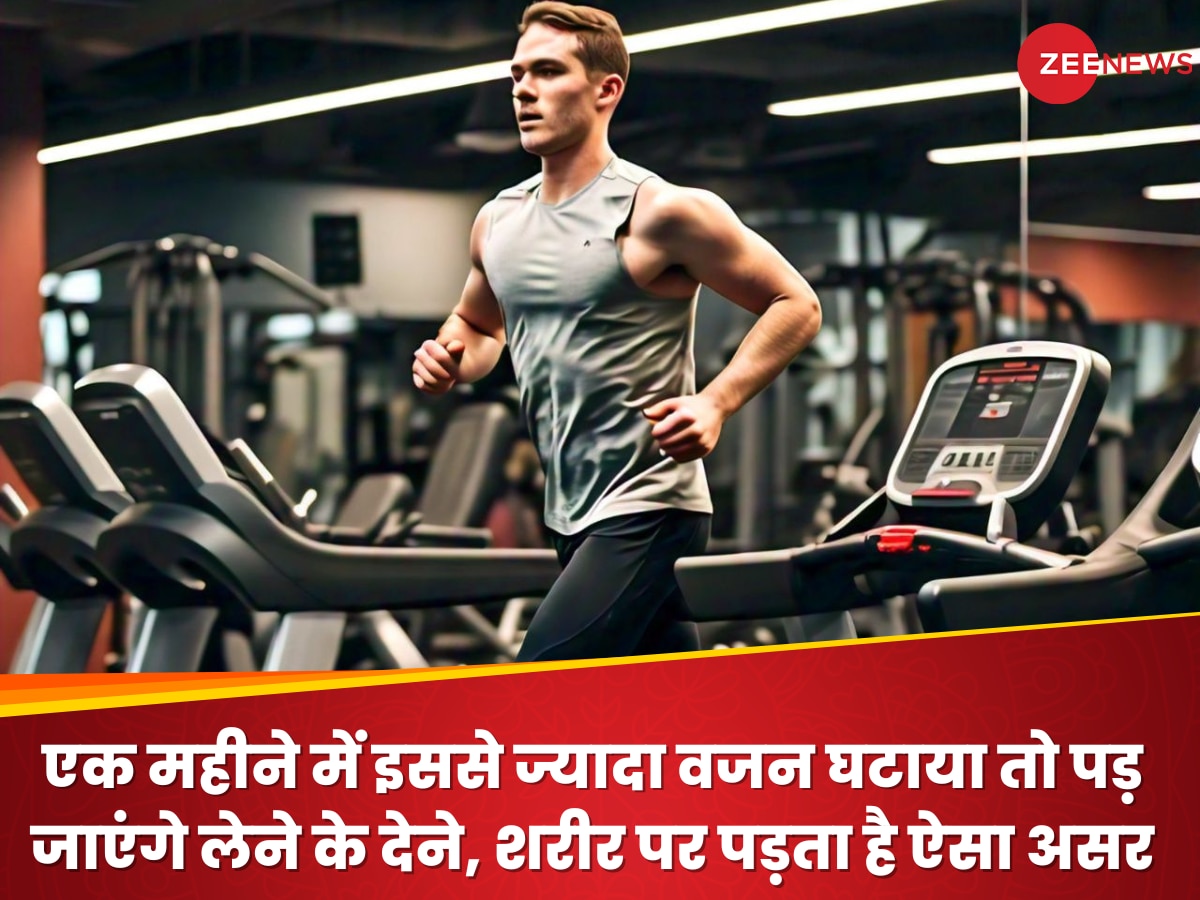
(928, 90)
(1190, 191)
(274, 112)
(731, 26)
(768, 20)
(1118, 140)
(903, 93)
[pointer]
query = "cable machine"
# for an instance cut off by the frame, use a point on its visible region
(178, 321)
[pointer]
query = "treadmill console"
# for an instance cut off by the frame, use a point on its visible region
(146, 469)
(146, 433)
(53, 454)
(1007, 421)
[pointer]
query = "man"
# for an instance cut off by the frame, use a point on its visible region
(590, 272)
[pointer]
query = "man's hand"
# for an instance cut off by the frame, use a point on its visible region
(435, 365)
(686, 428)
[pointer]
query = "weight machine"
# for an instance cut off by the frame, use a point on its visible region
(178, 321)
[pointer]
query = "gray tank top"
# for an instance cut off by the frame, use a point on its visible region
(591, 350)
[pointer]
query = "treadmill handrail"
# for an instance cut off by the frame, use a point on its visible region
(878, 548)
(11, 503)
(1043, 596)
(809, 579)
(265, 486)
(422, 535)
(1172, 549)
(310, 575)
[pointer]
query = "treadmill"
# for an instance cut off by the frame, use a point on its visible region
(990, 453)
(52, 550)
(197, 538)
(1149, 566)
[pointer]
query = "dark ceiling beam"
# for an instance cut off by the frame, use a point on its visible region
(416, 24)
(83, 35)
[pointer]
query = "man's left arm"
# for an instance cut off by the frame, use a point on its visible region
(701, 234)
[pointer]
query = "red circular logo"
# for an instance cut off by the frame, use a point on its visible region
(1058, 63)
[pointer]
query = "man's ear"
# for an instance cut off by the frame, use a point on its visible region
(611, 89)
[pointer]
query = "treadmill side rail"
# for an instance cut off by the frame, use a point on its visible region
(737, 586)
(1172, 549)
(1039, 597)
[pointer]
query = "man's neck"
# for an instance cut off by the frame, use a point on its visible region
(568, 172)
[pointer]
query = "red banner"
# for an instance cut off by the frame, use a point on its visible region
(1044, 762)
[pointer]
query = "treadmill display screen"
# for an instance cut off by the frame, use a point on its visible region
(135, 452)
(36, 461)
(999, 401)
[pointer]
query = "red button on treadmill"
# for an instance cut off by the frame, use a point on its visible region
(896, 538)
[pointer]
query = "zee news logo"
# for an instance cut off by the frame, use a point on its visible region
(1059, 63)
(1123, 64)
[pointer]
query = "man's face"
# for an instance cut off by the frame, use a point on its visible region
(553, 97)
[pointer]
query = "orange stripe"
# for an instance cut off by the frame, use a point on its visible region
(207, 687)
(118, 686)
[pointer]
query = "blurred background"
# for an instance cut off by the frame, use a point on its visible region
(337, 239)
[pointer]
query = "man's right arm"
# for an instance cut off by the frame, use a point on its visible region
(470, 341)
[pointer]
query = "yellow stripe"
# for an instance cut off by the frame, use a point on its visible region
(320, 682)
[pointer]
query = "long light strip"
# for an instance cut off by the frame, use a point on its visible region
(1188, 191)
(928, 90)
(767, 20)
(660, 39)
(274, 112)
(1089, 143)
(901, 93)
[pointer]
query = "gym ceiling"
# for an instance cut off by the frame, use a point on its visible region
(698, 114)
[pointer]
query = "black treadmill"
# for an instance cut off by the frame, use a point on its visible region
(52, 550)
(61, 461)
(197, 538)
(989, 455)
(1149, 566)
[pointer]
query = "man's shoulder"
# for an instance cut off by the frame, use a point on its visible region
(630, 172)
(662, 204)
(520, 190)
(501, 202)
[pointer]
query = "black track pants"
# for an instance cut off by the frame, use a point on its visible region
(617, 595)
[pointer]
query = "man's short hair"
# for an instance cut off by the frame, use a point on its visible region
(601, 44)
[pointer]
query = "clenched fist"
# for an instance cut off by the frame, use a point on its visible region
(685, 428)
(435, 365)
